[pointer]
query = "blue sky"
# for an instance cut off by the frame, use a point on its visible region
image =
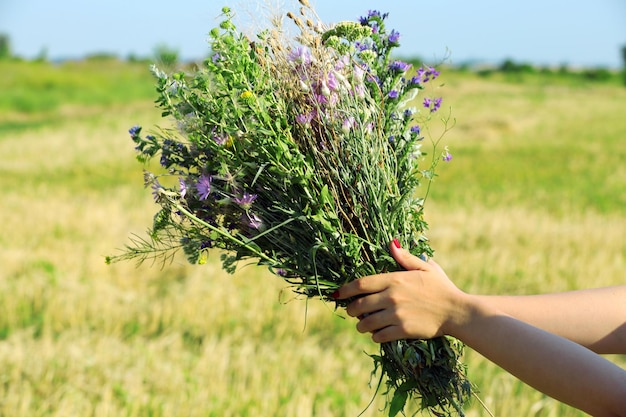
(543, 32)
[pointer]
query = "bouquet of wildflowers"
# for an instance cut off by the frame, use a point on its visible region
(303, 154)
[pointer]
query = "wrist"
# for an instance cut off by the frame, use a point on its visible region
(467, 310)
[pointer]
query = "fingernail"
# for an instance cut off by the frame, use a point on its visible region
(396, 242)
(335, 295)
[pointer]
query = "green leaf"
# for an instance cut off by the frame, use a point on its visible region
(397, 402)
(325, 197)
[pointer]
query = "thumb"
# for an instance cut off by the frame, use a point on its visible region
(407, 260)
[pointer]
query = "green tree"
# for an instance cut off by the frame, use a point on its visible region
(624, 59)
(165, 56)
(5, 46)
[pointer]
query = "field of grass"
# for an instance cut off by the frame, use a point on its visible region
(533, 201)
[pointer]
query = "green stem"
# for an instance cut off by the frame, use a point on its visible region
(223, 233)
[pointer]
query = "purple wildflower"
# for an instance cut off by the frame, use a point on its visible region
(415, 80)
(361, 46)
(447, 156)
(393, 37)
(182, 187)
(430, 74)
(342, 62)
(156, 186)
(348, 124)
(134, 131)
(376, 13)
(399, 66)
(423, 75)
(358, 72)
(393, 94)
(374, 78)
(305, 118)
(300, 55)
(254, 221)
(203, 186)
(220, 138)
(408, 113)
(359, 90)
(332, 82)
(433, 105)
(415, 129)
(437, 104)
(216, 57)
(246, 200)
(320, 98)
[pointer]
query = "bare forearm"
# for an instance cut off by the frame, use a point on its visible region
(594, 318)
(554, 365)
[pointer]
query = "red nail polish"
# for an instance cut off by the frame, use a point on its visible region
(335, 295)
(396, 242)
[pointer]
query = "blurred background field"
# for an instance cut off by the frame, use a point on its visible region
(533, 201)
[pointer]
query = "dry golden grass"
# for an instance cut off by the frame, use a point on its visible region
(79, 338)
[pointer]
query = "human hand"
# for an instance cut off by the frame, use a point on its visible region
(419, 303)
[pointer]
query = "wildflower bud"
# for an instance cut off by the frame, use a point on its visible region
(305, 3)
(348, 124)
(358, 73)
(325, 90)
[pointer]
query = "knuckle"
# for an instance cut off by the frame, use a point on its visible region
(360, 284)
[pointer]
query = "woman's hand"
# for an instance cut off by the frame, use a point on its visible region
(423, 303)
(419, 303)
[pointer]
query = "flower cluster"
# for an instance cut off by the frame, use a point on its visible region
(305, 155)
